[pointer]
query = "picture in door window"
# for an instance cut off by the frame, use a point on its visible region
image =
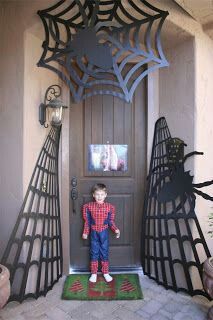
(107, 157)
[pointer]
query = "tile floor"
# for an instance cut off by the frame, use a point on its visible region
(158, 304)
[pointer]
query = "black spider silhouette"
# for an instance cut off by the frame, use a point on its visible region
(85, 43)
(180, 182)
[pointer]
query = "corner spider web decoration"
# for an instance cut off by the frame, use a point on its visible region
(102, 46)
(34, 252)
(174, 247)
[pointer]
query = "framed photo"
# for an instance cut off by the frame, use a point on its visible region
(107, 157)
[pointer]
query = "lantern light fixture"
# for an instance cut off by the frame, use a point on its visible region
(51, 106)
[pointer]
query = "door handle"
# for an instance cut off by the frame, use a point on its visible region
(74, 194)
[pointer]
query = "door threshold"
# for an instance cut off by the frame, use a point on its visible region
(138, 270)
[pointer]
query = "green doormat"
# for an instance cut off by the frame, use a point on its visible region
(122, 287)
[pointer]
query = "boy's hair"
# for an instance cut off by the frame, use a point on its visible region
(99, 186)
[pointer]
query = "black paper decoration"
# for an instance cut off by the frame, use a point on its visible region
(171, 231)
(34, 251)
(102, 46)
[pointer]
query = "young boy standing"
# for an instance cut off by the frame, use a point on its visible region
(98, 217)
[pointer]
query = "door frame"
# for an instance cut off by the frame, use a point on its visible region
(152, 112)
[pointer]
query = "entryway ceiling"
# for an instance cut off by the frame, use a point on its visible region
(200, 10)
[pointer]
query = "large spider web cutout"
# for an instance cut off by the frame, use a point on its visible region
(173, 244)
(102, 47)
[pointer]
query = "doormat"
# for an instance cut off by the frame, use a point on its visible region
(122, 287)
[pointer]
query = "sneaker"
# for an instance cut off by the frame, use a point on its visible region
(107, 277)
(93, 278)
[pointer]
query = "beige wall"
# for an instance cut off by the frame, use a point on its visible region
(177, 94)
(36, 81)
(22, 89)
(153, 110)
(204, 126)
(186, 95)
(11, 123)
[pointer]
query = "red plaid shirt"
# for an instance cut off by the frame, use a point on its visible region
(98, 217)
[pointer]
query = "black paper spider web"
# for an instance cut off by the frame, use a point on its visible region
(90, 43)
(171, 232)
(34, 252)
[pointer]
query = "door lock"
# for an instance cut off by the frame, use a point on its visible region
(74, 193)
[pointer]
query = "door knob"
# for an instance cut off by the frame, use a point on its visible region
(74, 182)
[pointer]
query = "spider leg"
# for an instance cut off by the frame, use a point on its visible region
(203, 184)
(203, 194)
(72, 72)
(158, 181)
(192, 199)
(162, 175)
(160, 166)
(188, 155)
(84, 69)
(182, 202)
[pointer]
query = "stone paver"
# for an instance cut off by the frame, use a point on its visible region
(166, 314)
(152, 307)
(126, 314)
(56, 314)
(158, 317)
(173, 306)
(143, 314)
(158, 304)
(134, 305)
(104, 308)
(68, 306)
(85, 311)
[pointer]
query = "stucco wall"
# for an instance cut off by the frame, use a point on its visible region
(22, 89)
(177, 94)
(153, 110)
(186, 95)
(36, 81)
(204, 126)
(11, 122)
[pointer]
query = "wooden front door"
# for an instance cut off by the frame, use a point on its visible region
(108, 120)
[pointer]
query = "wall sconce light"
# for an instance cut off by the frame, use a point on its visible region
(53, 106)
